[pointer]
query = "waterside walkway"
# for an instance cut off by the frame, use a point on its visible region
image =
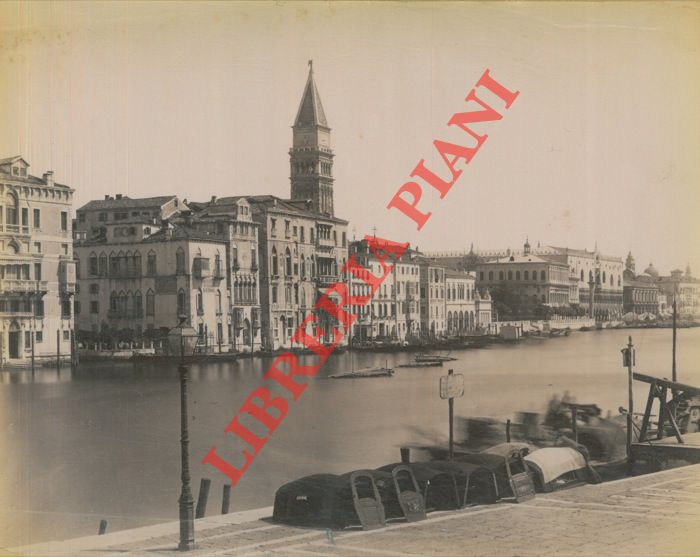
(655, 515)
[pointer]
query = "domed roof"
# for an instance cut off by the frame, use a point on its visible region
(651, 271)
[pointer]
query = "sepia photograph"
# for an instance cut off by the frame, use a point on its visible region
(349, 278)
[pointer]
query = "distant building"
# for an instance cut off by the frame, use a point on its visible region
(685, 289)
(37, 271)
(432, 298)
(394, 312)
(526, 281)
(640, 292)
(466, 310)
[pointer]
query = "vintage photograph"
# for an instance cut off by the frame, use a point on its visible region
(349, 278)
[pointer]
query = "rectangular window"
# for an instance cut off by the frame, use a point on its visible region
(81, 217)
(27, 339)
(65, 309)
(274, 294)
(64, 249)
(39, 308)
(94, 288)
(76, 307)
(37, 218)
(39, 336)
(66, 335)
(37, 271)
(64, 220)
(102, 217)
(94, 307)
(25, 216)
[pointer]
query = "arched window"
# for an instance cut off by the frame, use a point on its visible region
(122, 305)
(510, 275)
(113, 301)
(612, 282)
(129, 264)
(121, 264)
(313, 266)
(619, 280)
(543, 275)
(590, 276)
(500, 275)
(288, 263)
(137, 264)
(302, 266)
(218, 301)
(517, 275)
(180, 261)
(93, 268)
(581, 275)
(151, 264)
(604, 278)
(296, 293)
(181, 302)
(138, 304)
(303, 297)
(490, 275)
(103, 269)
(113, 264)
(150, 302)
(273, 263)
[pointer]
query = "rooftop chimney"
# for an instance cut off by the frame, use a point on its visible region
(119, 196)
(106, 197)
(213, 199)
(48, 177)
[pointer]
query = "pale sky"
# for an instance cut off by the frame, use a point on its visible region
(602, 145)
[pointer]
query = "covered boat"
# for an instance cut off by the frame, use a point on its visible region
(558, 467)
(475, 484)
(506, 449)
(362, 498)
(438, 487)
(513, 476)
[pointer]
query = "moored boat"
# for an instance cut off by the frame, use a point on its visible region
(367, 372)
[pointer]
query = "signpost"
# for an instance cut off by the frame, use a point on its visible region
(451, 387)
(628, 362)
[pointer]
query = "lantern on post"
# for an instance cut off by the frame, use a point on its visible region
(182, 339)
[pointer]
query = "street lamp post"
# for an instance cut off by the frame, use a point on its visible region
(184, 338)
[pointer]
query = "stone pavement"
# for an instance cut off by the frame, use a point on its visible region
(652, 515)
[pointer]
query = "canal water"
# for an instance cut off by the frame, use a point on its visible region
(102, 441)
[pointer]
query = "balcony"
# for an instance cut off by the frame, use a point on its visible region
(23, 286)
(14, 228)
(67, 288)
(324, 281)
(325, 243)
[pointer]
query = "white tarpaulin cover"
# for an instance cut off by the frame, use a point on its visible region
(556, 461)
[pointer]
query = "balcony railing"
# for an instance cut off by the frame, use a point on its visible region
(326, 280)
(324, 242)
(23, 285)
(14, 228)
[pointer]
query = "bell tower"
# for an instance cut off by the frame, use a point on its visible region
(311, 157)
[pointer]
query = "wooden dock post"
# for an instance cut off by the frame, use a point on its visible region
(508, 430)
(226, 500)
(405, 455)
(204, 486)
(58, 349)
(103, 527)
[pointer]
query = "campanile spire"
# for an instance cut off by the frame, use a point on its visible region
(311, 156)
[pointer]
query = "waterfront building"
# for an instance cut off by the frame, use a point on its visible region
(599, 278)
(302, 244)
(230, 220)
(460, 302)
(37, 271)
(134, 288)
(394, 313)
(522, 283)
(432, 298)
(640, 292)
(685, 289)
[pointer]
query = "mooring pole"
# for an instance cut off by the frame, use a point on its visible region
(450, 405)
(673, 366)
(630, 403)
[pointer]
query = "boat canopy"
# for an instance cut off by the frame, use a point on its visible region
(551, 463)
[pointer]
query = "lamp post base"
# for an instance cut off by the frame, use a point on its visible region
(186, 524)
